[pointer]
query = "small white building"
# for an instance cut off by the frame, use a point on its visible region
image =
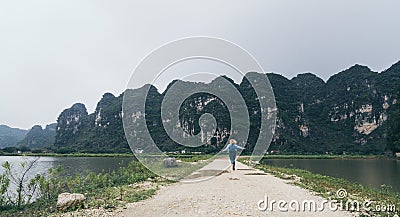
(398, 154)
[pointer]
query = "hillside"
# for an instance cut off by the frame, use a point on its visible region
(348, 113)
(99, 132)
(37, 137)
(10, 136)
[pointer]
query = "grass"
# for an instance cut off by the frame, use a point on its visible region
(192, 158)
(113, 197)
(327, 187)
(134, 183)
(183, 157)
(72, 155)
(197, 157)
(324, 156)
(128, 184)
(188, 164)
(107, 198)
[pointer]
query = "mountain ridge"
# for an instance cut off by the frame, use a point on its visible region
(10, 136)
(347, 113)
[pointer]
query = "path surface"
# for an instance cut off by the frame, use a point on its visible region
(234, 193)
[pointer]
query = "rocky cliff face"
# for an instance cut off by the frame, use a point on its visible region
(100, 131)
(348, 113)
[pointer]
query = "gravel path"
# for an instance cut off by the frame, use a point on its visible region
(234, 193)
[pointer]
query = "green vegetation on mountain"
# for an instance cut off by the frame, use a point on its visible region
(37, 137)
(99, 132)
(347, 114)
(393, 143)
(350, 113)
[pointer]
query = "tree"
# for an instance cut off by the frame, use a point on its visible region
(393, 143)
(25, 187)
(4, 183)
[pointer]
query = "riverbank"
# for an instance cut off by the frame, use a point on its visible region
(237, 194)
(112, 192)
(325, 156)
(70, 154)
(382, 202)
(106, 191)
(203, 156)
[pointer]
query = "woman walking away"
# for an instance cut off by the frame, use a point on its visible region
(232, 149)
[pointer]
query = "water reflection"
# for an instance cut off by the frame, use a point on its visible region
(71, 166)
(368, 172)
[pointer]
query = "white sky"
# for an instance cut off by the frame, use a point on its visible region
(56, 53)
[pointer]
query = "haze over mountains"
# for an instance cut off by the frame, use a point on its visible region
(36, 137)
(10, 136)
(348, 113)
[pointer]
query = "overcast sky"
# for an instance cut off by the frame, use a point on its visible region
(56, 53)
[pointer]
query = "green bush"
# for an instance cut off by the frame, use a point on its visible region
(45, 188)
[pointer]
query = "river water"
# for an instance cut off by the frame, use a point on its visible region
(71, 166)
(368, 172)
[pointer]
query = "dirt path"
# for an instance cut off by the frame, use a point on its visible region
(230, 194)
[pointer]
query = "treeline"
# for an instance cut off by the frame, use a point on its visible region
(393, 142)
(21, 149)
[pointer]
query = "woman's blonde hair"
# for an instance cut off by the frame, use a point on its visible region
(232, 141)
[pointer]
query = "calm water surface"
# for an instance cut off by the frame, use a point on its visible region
(368, 172)
(71, 166)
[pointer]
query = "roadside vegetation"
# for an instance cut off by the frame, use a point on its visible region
(324, 156)
(192, 158)
(384, 201)
(196, 157)
(67, 155)
(37, 195)
(25, 194)
(183, 157)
